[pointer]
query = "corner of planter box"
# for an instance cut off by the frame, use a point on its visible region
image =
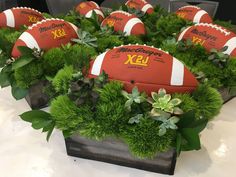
(36, 97)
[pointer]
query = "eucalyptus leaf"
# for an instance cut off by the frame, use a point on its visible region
(22, 61)
(18, 93)
(4, 80)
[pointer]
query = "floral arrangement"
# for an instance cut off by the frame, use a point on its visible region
(98, 108)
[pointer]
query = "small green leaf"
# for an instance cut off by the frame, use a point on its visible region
(18, 93)
(135, 119)
(40, 123)
(128, 104)
(175, 101)
(174, 120)
(192, 138)
(178, 111)
(30, 116)
(161, 92)
(162, 131)
(154, 96)
(22, 61)
(125, 94)
(4, 80)
(25, 51)
(50, 130)
(135, 92)
(178, 143)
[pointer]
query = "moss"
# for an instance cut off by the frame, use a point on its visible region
(213, 73)
(8, 38)
(188, 103)
(79, 56)
(64, 112)
(111, 91)
(111, 115)
(209, 101)
(71, 18)
(62, 79)
(170, 24)
(87, 25)
(108, 42)
(229, 79)
(29, 74)
(133, 40)
(143, 139)
(53, 60)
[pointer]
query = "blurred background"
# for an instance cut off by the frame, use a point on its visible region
(225, 9)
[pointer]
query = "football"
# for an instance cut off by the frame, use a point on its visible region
(87, 8)
(46, 34)
(211, 37)
(124, 22)
(141, 5)
(194, 14)
(146, 67)
(19, 16)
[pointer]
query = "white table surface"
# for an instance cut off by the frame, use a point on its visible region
(24, 152)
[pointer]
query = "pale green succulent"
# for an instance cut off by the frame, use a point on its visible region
(163, 102)
(165, 110)
(134, 97)
(86, 38)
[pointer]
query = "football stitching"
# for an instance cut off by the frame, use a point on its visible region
(27, 8)
(43, 21)
(222, 30)
(123, 12)
(196, 7)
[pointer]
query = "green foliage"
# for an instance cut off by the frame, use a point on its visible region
(53, 60)
(29, 74)
(111, 115)
(78, 56)
(85, 38)
(209, 101)
(39, 120)
(65, 113)
(134, 97)
(87, 25)
(144, 141)
(170, 25)
(133, 40)
(229, 79)
(188, 134)
(62, 79)
(212, 73)
(188, 103)
(108, 42)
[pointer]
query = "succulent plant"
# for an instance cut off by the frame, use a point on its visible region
(86, 38)
(218, 57)
(134, 97)
(165, 110)
(163, 102)
(135, 119)
(83, 90)
(167, 124)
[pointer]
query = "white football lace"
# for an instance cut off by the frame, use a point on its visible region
(221, 29)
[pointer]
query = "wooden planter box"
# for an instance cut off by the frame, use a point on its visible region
(116, 152)
(36, 97)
